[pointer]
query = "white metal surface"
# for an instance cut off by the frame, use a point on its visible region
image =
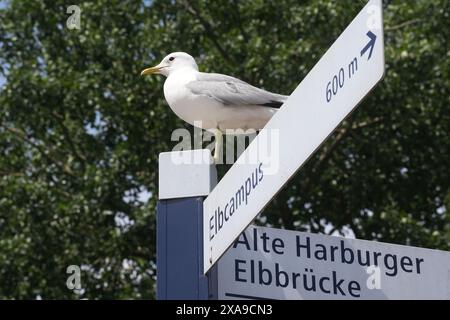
(265, 264)
(331, 90)
(188, 173)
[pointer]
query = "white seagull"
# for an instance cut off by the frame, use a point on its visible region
(212, 101)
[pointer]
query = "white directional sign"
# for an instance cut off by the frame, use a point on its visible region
(347, 72)
(267, 263)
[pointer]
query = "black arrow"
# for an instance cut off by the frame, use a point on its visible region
(370, 45)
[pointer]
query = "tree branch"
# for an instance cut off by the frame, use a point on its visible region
(11, 173)
(339, 138)
(366, 123)
(21, 135)
(326, 154)
(66, 133)
(343, 133)
(403, 24)
(208, 31)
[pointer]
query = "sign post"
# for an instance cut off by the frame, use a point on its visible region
(347, 72)
(185, 178)
(268, 263)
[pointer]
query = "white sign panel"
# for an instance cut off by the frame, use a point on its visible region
(267, 263)
(352, 66)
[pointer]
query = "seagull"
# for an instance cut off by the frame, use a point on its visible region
(211, 101)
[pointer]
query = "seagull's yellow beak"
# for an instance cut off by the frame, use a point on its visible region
(152, 70)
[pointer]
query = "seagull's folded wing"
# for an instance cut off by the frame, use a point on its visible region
(231, 91)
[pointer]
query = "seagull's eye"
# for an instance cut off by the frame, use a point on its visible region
(171, 58)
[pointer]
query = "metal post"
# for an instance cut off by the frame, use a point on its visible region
(185, 178)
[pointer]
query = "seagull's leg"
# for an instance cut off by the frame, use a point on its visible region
(218, 145)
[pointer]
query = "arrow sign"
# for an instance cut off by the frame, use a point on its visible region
(370, 45)
(331, 90)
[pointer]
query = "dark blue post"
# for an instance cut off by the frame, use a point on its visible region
(182, 189)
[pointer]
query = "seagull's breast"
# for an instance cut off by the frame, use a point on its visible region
(175, 90)
(191, 108)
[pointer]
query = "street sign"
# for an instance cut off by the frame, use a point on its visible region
(267, 263)
(347, 72)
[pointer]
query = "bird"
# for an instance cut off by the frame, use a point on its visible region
(214, 102)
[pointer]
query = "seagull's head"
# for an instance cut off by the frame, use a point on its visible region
(172, 62)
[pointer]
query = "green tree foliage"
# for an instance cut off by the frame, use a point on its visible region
(80, 131)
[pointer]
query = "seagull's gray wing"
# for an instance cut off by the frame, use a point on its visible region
(232, 91)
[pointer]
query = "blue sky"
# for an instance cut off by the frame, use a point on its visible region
(2, 79)
(2, 5)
